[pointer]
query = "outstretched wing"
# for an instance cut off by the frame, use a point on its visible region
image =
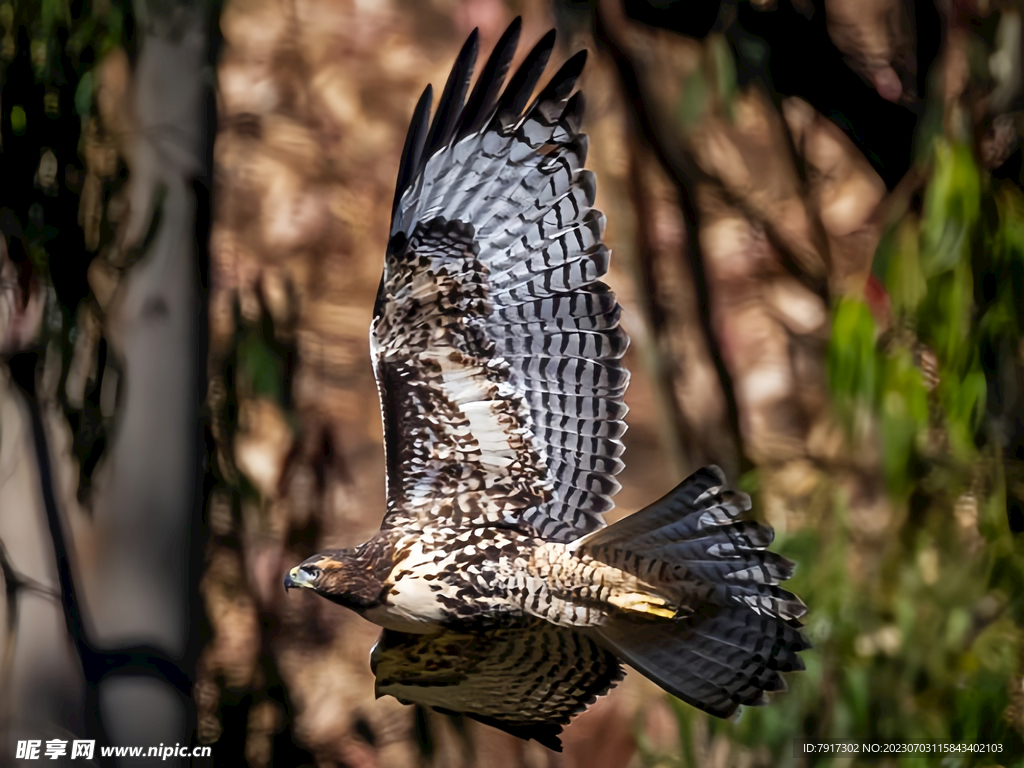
(496, 347)
(528, 679)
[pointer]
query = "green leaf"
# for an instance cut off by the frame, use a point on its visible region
(1001, 320)
(857, 687)
(951, 208)
(114, 23)
(83, 94)
(963, 402)
(1007, 245)
(50, 12)
(852, 365)
(944, 319)
(958, 623)
(904, 278)
(18, 119)
(903, 416)
(685, 716)
(259, 367)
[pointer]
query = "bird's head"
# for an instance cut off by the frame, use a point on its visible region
(344, 576)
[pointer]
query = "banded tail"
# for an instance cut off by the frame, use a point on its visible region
(735, 630)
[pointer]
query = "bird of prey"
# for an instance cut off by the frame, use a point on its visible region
(496, 348)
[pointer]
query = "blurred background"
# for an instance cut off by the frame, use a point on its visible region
(817, 223)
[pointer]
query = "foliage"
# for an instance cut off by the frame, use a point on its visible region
(935, 266)
(924, 645)
(49, 53)
(917, 618)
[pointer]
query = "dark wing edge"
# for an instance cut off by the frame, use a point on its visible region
(528, 679)
(496, 250)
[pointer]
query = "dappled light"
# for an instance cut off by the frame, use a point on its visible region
(815, 221)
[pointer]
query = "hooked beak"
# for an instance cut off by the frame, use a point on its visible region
(298, 577)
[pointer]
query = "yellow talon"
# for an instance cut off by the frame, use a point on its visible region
(639, 603)
(665, 613)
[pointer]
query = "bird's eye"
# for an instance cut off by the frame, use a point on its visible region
(310, 571)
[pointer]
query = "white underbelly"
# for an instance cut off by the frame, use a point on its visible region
(388, 617)
(411, 606)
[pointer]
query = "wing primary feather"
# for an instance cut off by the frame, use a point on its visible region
(573, 115)
(562, 82)
(480, 105)
(520, 87)
(449, 106)
(413, 149)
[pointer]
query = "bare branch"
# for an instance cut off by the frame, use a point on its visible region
(685, 174)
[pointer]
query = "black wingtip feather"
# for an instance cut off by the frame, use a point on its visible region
(457, 117)
(520, 87)
(413, 149)
(564, 79)
(481, 103)
(449, 106)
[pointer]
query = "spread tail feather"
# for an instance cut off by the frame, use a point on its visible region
(715, 660)
(735, 629)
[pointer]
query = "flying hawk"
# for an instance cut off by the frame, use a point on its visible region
(496, 349)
